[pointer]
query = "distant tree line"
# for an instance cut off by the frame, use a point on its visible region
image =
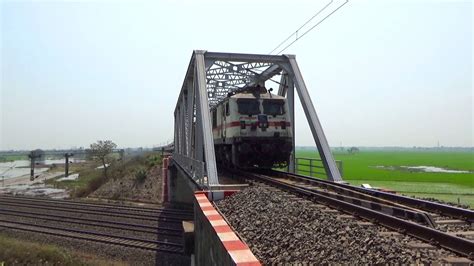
(353, 150)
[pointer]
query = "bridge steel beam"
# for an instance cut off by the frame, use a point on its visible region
(206, 130)
(291, 110)
(209, 79)
(318, 134)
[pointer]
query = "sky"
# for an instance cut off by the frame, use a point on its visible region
(380, 73)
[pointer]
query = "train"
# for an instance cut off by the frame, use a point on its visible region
(251, 128)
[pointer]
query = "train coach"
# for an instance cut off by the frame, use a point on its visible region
(251, 128)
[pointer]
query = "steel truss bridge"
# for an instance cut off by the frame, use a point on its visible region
(209, 79)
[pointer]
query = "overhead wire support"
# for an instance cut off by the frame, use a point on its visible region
(296, 33)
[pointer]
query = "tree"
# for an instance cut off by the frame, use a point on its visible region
(353, 150)
(100, 151)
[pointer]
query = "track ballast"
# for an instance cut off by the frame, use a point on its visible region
(424, 224)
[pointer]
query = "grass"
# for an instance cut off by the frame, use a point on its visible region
(11, 158)
(359, 168)
(16, 252)
(20, 252)
(89, 179)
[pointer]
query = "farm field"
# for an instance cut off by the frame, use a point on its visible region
(387, 169)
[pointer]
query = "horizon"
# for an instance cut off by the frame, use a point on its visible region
(297, 146)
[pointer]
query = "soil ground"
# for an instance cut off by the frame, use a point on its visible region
(129, 188)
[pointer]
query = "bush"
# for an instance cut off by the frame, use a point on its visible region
(92, 184)
(140, 175)
(153, 160)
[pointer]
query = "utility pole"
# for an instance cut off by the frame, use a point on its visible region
(32, 167)
(33, 156)
(66, 166)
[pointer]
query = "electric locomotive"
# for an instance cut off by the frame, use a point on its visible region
(251, 128)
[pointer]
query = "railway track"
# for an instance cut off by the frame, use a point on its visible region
(93, 222)
(95, 237)
(417, 218)
(161, 215)
(453, 220)
(97, 205)
(96, 222)
(429, 206)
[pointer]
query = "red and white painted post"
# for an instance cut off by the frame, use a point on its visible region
(164, 181)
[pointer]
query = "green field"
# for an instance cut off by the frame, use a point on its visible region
(361, 168)
(11, 158)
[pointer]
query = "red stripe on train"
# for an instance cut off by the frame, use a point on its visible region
(237, 124)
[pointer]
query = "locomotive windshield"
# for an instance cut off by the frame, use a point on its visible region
(248, 106)
(273, 107)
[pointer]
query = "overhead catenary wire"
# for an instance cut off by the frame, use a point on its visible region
(308, 21)
(317, 13)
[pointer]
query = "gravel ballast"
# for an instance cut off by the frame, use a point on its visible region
(280, 228)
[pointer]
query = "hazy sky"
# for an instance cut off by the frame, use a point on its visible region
(380, 73)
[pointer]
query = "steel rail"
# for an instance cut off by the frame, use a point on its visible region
(94, 220)
(97, 223)
(99, 205)
(390, 210)
(95, 233)
(367, 201)
(108, 208)
(456, 244)
(332, 186)
(95, 237)
(451, 211)
(77, 210)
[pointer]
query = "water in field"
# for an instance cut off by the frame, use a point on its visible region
(423, 168)
(22, 167)
(433, 169)
(17, 168)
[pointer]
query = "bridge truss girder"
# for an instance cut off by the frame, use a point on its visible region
(209, 79)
